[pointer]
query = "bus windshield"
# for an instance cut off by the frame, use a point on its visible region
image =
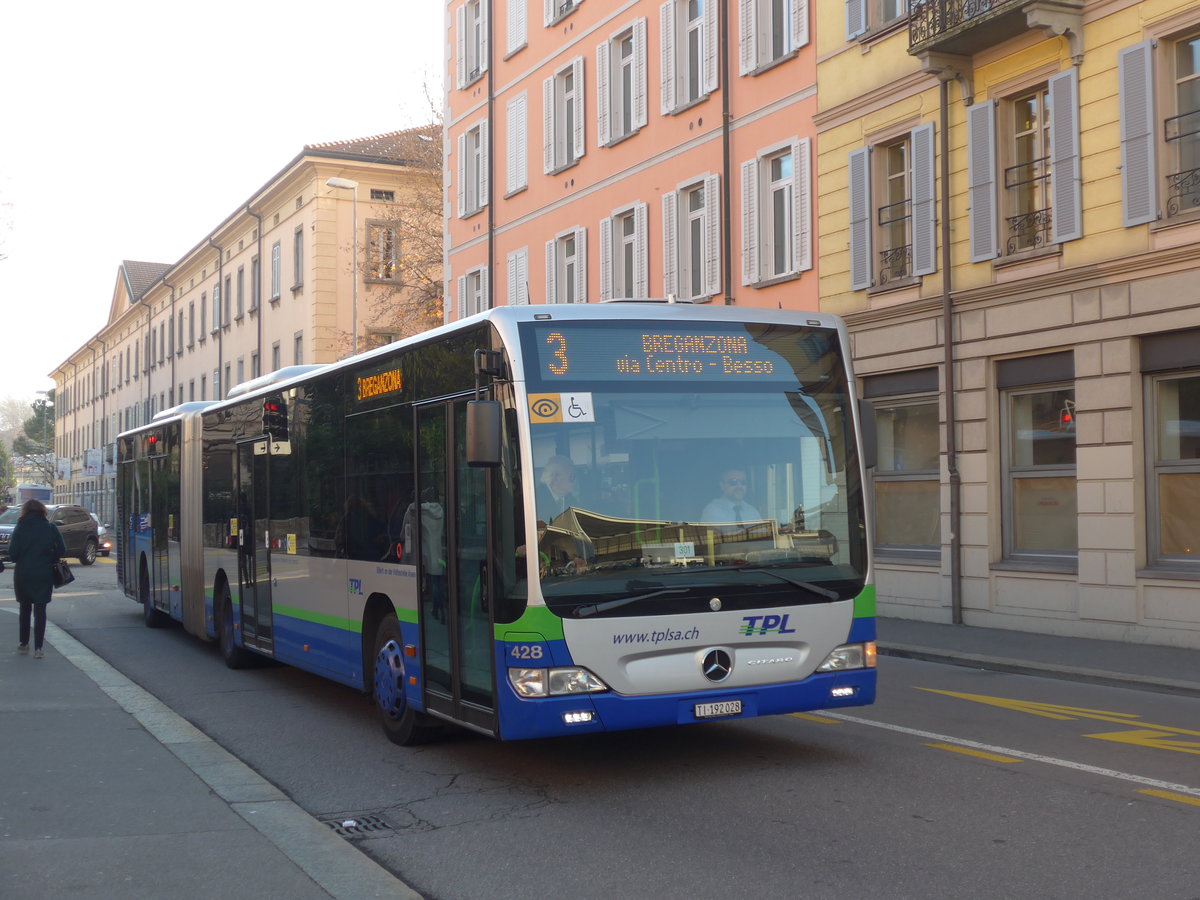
(721, 472)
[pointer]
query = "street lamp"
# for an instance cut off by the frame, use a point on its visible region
(347, 185)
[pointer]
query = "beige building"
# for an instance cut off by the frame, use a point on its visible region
(1009, 218)
(303, 272)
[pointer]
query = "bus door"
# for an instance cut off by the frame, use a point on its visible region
(453, 569)
(160, 570)
(254, 543)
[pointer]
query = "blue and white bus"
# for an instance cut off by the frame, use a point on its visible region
(538, 521)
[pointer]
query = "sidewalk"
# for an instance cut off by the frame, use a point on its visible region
(1143, 666)
(106, 793)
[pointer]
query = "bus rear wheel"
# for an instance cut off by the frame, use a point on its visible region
(402, 724)
(235, 657)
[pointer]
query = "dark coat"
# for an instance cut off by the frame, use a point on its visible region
(35, 546)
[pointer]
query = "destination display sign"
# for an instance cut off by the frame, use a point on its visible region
(660, 351)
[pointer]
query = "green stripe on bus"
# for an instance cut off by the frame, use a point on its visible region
(864, 603)
(316, 618)
(536, 619)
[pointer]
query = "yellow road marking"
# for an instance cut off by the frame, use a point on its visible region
(967, 751)
(1147, 738)
(811, 718)
(1168, 795)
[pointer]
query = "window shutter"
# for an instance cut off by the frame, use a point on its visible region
(712, 234)
(484, 162)
(747, 38)
(666, 15)
(513, 277)
(580, 113)
(603, 75)
(856, 18)
(1065, 177)
(581, 265)
(802, 204)
(552, 271)
(710, 47)
(548, 125)
(924, 201)
(981, 180)
(460, 46)
(639, 73)
(1139, 176)
(860, 218)
(518, 277)
(606, 225)
(484, 32)
(641, 284)
(485, 290)
(516, 164)
(462, 296)
(461, 171)
(670, 212)
(799, 9)
(516, 35)
(548, 9)
(750, 222)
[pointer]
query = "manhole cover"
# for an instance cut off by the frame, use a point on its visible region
(358, 826)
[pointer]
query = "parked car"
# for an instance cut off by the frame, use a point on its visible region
(78, 529)
(104, 535)
(8, 521)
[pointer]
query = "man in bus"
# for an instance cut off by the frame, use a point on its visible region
(731, 506)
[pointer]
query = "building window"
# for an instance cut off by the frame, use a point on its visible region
(776, 213)
(473, 292)
(275, 357)
(241, 370)
(517, 156)
(623, 250)
(554, 10)
(906, 479)
(566, 267)
(770, 30)
(255, 283)
(191, 323)
(382, 196)
(383, 253)
(689, 52)
(276, 270)
(1038, 460)
(473, 169)
(518, 277)
(298, 348)
(1174, 409)
(866, 17)
(893, 220)
(692, 239)
(255, 366)
(298, 258)
(241, 292)
(180, 343)
(562, 113)
(472, 34)
(621, 84)
(216, 307)
(203, 387)
(203, 316)
(1037, 168)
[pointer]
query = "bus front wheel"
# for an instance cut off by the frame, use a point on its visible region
(153, 617)
(401, 723)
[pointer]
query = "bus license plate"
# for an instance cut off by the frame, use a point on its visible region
(716, 710)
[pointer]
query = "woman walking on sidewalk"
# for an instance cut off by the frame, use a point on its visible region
(35, 547)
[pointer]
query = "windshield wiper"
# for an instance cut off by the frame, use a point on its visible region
(592, 608)
(803, 585)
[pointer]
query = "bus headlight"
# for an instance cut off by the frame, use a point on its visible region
(849, 656)
(554, 682)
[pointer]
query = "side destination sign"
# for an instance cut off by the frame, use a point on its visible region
(381, 383)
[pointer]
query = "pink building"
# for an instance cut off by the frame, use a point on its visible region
(597, 151)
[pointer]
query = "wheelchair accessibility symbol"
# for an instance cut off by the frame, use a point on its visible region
(554, 408)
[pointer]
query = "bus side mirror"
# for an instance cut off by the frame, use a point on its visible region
(870, 442)
(483, 433)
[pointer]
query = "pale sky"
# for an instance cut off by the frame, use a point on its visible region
(130, 129)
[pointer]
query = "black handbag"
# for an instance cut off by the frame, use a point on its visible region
(61, 574)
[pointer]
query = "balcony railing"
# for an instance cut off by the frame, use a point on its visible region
(1183, 192)
(929, 20)
(1183, 187)
(894, 264)
(1028, 231)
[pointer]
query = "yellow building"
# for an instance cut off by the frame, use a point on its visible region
(308, 269)
(1009, 218)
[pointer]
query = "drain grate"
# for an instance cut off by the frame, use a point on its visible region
(359, 826)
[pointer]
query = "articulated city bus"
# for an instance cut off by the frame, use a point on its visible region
(538, 521)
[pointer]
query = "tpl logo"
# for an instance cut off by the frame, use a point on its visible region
(356, 587)
(770, 625)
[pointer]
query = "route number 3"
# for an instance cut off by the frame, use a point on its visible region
(556, 337)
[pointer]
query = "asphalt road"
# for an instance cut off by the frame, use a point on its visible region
(957, 782)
